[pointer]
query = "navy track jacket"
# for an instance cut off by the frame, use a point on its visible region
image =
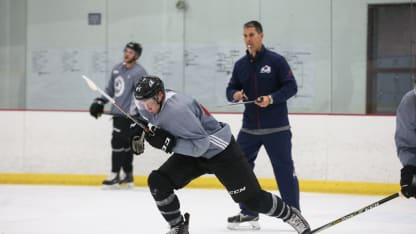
(266, 74)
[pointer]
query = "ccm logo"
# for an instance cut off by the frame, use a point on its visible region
(237, 191)
(165, 144)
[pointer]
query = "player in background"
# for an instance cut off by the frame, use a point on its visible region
(405, 138)
(266, 74)
(121, 86)
(200, 145)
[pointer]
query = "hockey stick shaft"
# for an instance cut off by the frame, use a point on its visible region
(240, 103)
(259, 99)
(94, 87)
(360, 211)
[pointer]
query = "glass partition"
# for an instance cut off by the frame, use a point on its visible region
(349, 57)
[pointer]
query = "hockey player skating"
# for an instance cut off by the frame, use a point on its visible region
(405, 139)
(262, 73)
(121, 87)
(200, 145)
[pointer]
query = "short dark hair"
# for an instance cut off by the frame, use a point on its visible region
(135, 46)
(254, 24)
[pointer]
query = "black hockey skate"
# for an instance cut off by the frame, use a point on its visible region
(243, 222)
(128, 180)
(112, 181)
(182, 227)
(298, 222)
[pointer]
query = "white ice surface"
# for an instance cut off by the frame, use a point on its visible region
(70, 209)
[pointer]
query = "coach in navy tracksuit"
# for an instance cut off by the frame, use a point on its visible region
(266, 74)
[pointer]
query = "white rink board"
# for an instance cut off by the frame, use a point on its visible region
(325, 147)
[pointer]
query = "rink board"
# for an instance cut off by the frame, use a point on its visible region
(207, 182)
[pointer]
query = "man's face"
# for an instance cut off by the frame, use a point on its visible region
(130, 55)
(151, 105)
(253, 39)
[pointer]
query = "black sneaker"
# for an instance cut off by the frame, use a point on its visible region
(182, 227)
(239, 221)
(128, 180)
(298, 222)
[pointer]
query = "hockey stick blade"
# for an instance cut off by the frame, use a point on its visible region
(90, 84)
(355, 213)
(94, 87)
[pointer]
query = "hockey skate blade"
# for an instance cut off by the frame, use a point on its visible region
(111, 187)
(245, 226)
(126, 186)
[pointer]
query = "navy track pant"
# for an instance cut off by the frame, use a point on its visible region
(279, 149)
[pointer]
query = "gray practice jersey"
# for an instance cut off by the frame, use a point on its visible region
(405, 136)
(121, 86)
(197, 132)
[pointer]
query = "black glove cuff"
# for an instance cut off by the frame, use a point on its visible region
(408, 170)
(408, 181)
(140, 119)
(160, 139)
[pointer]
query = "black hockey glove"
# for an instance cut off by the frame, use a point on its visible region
(408, 181)
(160, 139)
(97, 107)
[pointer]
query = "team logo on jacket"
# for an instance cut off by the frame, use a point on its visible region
(266, 69)
(119, 86)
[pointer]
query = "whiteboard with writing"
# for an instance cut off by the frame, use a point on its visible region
(200, 70)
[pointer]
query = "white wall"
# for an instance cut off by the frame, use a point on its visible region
(158, 26)
(325, 147)
(60, 47)
(12, 53)
(302, 25)
(332, 32)
(349, 54)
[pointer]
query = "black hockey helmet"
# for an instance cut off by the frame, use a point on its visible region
(134, 46)
(148, 87)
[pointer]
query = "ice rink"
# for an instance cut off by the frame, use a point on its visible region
(71, 209)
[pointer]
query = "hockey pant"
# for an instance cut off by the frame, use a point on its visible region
(229, 166)
(122, 156)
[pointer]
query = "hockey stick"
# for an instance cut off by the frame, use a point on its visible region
(94, 87)
(259, 99)
(360, 211)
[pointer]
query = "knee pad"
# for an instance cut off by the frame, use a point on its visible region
(159, 185)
